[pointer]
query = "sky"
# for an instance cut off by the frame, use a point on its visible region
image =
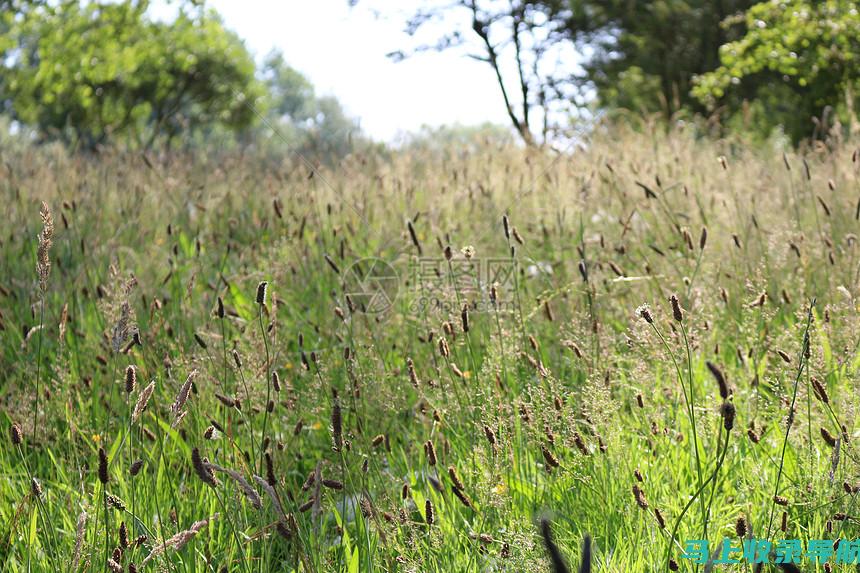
(342, 50)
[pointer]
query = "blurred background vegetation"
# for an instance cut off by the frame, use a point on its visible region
(92, 73)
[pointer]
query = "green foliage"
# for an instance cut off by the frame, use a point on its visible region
(555, 366)
(313, 124)
(291, 94)
(451, 139)
(797, 58)
(642, 56)
(92, 71)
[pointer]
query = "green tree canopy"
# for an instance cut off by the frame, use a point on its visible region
(306, 121)
(798, 59)
(88, 72)
(643, 55)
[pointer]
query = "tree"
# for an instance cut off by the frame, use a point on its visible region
(798, 60)
(632, 55)
(644, 55)
(98, 71)
(520, 41)
(307, 122)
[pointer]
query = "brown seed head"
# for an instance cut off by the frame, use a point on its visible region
(332, 484)
(580, 443)
(828, 438)
(677, 314)
(201, 468)
(741, 527)
(727, 411)
(549, 458)
(645, 313)
(336, 427)
(428, 512)
(15, 434)
(753, 436)
(639, 495)
(262, 290)
(104, 477)
(130, 379)
(819, 390)
(455, 479)
(464, 499)
(430, 452)
(718, 375)
(135, 468)
(490, 434)
(123, 536)
(36, 487)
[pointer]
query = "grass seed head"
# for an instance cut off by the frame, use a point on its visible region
(645, 313)
(430, 452)
(123, 536)
(461, 495)
(741, 527)
(201, 468)
(718, 375)
(262, 290)
(819, 390)
(130, 379)
(558, 562)
(15, 434)
(332, 484)
(639, 496)
(135, 468)
(43, 260)
(677, 314)
(429, 512)
(336, 427)
(455, 479)
(550, 458)
(580, 444)
(727, 411)
(104, 477)
(36, 488)
(828, 438)
(490, 435)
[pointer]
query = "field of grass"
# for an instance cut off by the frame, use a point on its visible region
(451, 352)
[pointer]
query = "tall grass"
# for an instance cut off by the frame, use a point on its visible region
(294, 431)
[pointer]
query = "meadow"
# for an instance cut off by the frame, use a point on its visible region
(470, 358)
